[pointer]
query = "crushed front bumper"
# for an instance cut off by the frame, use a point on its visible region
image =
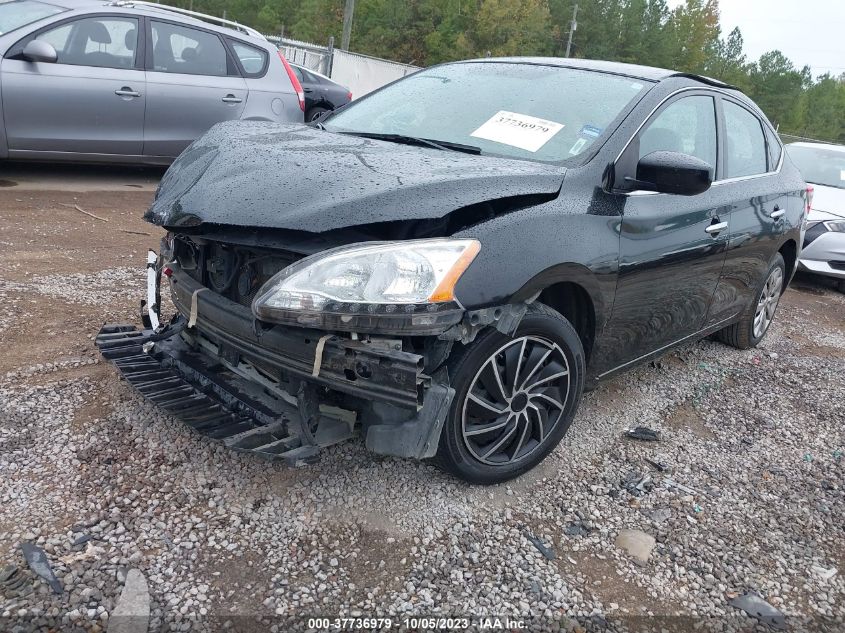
(279, 392)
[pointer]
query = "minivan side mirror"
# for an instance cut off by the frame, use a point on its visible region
(672, 172)
(39, 51)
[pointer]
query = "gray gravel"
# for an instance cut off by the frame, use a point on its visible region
(752, 499)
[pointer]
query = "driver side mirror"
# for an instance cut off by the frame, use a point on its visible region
(39, 51)
(672, 172)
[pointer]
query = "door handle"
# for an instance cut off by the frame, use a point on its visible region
(777, 213)
(717, 227)
(232, 99)
(126, 91)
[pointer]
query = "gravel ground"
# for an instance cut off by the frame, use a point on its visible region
(751, 497)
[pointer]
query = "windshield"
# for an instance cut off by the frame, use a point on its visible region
(526, 111)
(18, 13)
(819, 165)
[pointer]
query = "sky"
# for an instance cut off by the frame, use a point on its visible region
(809, 32)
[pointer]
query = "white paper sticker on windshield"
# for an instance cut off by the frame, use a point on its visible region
(518, 130)
(842, 174)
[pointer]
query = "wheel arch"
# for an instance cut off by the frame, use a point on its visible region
(574, 291)
(789, 252)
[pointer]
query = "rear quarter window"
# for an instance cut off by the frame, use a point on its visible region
(253, 60)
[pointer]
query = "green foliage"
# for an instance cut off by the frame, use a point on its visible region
(688, 38)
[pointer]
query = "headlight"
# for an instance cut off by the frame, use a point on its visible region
(835, 225)
(388, 287)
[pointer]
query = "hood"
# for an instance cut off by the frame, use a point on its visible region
(291, 176)
(828, 203)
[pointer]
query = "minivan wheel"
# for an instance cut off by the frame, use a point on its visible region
(755, 322)
(515, 398)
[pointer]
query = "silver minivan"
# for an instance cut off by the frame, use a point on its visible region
(130, 82)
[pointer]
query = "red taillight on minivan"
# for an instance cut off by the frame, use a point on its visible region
(810, 191)
(297, 87)
(349, 96)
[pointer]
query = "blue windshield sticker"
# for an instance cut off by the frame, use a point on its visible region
(591, 131)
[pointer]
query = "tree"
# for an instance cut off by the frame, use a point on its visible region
(729, 63)
(513, 27)
(777, 87)
(826, 105)
(693, 31)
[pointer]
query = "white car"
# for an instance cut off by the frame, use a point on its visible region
(823, 166)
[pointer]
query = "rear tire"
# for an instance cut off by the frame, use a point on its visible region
(528, 403)
(756, 320)
(315, 112)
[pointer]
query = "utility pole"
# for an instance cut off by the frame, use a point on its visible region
(572, 26)
(348, 12)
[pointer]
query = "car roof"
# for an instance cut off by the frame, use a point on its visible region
(163, 10)
(635, 71)
(312, 71)
(831, 146)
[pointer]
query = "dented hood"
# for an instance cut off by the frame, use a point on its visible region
(290, 176)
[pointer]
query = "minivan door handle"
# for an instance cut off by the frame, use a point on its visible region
(777, 213)
(716, 227)
(230, 98)
(126, 91)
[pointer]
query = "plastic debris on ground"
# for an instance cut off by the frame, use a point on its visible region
(37, 560)
(541, 547)
(824, 573)
(578, 528)
(754, 605)
(637, 483)
(643, 433)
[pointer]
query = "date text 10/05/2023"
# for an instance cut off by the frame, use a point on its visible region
(484, 623)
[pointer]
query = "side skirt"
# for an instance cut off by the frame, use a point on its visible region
(666, 348)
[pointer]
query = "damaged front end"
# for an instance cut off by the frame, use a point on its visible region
(287, 384)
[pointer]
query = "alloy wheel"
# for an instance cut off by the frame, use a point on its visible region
(768, 302)
(515, 400)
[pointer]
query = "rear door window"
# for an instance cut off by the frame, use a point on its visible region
(745, 145)
(181, 49)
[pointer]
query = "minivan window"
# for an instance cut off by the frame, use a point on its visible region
(14, 15)
(103, 42)
(687, 125)
(527, 111)
(745, 146)
(180, 49)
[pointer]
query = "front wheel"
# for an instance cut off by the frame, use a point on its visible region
(515, 398)
(755, 322)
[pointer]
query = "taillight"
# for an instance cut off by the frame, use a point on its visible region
(810, 191)
(297, 87)
(349, 96)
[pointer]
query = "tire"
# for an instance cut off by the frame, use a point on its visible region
(533, 435)
(314, 112)
(745, 334)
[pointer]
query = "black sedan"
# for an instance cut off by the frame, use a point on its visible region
(492, 238)
(321, 93)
